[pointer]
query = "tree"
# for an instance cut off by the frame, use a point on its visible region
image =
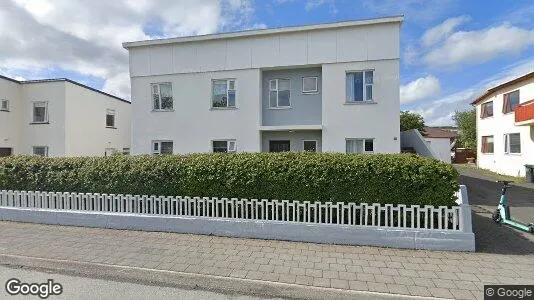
(467, 127)
(411, 120)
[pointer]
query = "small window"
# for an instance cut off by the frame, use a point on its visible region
(223, 93)
(4, 105)
(486, 110)
(126, 151)
(360, 145)
(359, 86)
(40, 112)
(40, 151)
(110, 118)
(512, 143)
(510, 101)
(310, 85)
(110, 152)
(279, 93)
(162, 147)
(224, 146)
(310, 146)
(162, 96)
(487, 144)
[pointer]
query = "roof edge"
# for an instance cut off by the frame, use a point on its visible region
(267, 31)
(496, 88)
(65, 80)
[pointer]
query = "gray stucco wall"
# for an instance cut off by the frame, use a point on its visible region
(296, 138)
(305, 108)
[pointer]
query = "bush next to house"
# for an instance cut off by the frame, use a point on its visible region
(380, 178)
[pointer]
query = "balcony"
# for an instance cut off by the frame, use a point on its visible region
(524, 114)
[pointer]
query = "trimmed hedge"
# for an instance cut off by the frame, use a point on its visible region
(380, 178)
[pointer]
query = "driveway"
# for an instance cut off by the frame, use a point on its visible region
(484, 194)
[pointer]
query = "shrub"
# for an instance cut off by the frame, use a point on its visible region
(380, 178)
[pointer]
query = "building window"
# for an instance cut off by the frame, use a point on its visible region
(310, 85)
(487, 144)
(126, 151)
(486, 110)
(310, 146)
(360, 145)
(40, 151)
(279, 93)
(40, 112)
(510, 101)
(223, 93)
(110, 118)
(162, 147)
(512, 143)
(110, 152)
(162, 96)
(224, 146)
(279, 146)
(4, 105)
(360, 86)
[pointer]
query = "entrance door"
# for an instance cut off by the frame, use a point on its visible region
(279, 146)
(5, 152)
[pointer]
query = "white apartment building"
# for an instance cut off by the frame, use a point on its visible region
(329, 87)
(60, 117)
(505, 126)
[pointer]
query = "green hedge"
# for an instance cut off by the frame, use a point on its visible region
(380, 178)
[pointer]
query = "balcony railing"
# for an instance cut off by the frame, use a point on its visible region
(524, 113)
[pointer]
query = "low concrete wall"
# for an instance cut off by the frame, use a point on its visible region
(279, 230)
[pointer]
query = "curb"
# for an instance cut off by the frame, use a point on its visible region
(219, 284)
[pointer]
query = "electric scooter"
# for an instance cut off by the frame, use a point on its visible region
(502, 213)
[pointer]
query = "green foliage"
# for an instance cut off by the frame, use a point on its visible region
(467, 127)
(380, 178)
(410, 120)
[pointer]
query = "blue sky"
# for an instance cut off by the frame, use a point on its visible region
(451, 50)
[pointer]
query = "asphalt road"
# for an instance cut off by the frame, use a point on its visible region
(89, 288)
(484, 194)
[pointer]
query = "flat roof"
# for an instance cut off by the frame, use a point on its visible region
(65, 80)
(260, 32)
(501, 86)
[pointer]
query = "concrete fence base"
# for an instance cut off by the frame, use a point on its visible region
(410, 238)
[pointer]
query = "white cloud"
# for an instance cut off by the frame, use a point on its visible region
(469, 47)
(419, 89)
(437, 34)
(440, 111)
(86, 38)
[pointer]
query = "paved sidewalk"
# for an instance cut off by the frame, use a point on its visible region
(408, 272)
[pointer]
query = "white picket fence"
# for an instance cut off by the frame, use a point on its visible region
(377, 215)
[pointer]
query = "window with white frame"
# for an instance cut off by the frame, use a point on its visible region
(40, 112)
(40, 151)
(310, 85)
(223, 146)
(162, 96)
(279, 93)
(512, 143)
(223, 93)
(110, 118)
(359, 86)
(360, 145)
(4, 105)
(162, 147)
(310, 146)
(126, 151)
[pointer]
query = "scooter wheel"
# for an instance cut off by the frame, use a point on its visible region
(496, 216)
(531, 228)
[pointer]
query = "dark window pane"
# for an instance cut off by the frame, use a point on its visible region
(310, 146)
(110, 120)
(231, 98)
(368, 92)
(166, 148)
(514, 99)
(220, 146)
(358, 86)
(515, 143)
(369, 145)
(283, 98)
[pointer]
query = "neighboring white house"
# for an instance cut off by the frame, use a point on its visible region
(328, 87)
(505, 126)
(60, 117)
(441, 141)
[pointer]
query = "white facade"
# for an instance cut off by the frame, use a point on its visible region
(192, 64)
(440, 146)
(502, 160)
(73, 124)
